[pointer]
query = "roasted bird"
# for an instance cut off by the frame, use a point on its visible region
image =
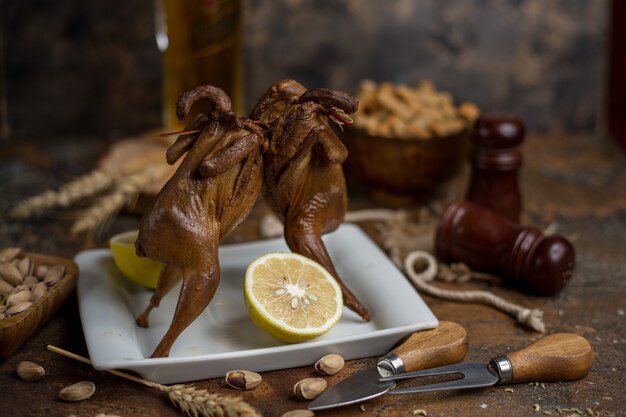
(212, 191)
(304, 181)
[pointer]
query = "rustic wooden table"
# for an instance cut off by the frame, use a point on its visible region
(579, 183)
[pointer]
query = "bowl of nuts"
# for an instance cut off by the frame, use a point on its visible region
(32, 288)
(407, 140)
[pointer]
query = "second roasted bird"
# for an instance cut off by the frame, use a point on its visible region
(304, 180)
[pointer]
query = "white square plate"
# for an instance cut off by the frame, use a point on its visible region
(224, 338)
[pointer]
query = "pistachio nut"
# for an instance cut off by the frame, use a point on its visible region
(18, 308)
(241, 379)
(39, 291)
(20, 294)
(25, 266)
(330, 364)
(309, 388)
(8, 254)
(5, 287)
(40, 271)
(10, 273)
(54, 275)
(78, 391)
(30, 371)
(30, 281)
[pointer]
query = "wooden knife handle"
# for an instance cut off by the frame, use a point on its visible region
(558, 357)
(443, 345)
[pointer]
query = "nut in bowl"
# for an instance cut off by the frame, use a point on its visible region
(143, 271)
(407, 141)
(33, 286)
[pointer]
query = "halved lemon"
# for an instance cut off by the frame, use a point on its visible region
(143, 271)
(292, 297)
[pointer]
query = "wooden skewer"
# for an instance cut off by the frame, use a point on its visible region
(112, 371)
(181, 132)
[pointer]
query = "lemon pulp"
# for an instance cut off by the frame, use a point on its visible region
(143, 271)
(291, 297)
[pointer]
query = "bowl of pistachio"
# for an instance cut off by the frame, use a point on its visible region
(407, 140)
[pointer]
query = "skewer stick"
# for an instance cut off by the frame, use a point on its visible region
(181, 132)
(112, 371)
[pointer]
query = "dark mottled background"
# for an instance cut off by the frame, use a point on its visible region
(87, 67)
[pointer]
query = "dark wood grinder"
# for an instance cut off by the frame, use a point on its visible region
(486, 241)
(495, 159)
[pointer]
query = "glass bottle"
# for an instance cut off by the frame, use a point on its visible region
(201, 44)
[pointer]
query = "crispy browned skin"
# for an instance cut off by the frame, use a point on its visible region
(304, 180)
(212, 191)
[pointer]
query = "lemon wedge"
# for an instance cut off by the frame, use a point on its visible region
(143, 271)
(291, 297)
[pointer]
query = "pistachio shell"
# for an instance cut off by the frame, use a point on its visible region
(39, 291)
(30, 371)
(18, 308)
(26, 266)
(19, 295)
(30, 281)
(54, 275)
(10, 273)
(309, 388)
(78, 391)
(40, 271)
(8, 254)
(244, 380)
(5, 287)
(330, 364)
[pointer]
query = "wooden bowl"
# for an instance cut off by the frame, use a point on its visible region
(15, 330)
(404, 166)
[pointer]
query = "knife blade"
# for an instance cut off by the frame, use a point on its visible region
(445, 344)
(558, 357)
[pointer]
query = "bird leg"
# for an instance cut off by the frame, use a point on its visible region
(305, 239)
(196, 292)
(169, 276)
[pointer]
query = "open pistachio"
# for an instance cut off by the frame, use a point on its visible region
(78, 391)
(243, 380)
(30, 371)
(330, 364)
(309, 388)
(54, 275)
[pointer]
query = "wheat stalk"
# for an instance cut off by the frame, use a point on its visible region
(126, 189)
(83, 187)
(191, 401)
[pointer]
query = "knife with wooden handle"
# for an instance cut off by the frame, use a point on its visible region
(558, 357)
(445, 344)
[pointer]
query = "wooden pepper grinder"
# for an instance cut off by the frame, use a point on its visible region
(487, 241)
(495, 159)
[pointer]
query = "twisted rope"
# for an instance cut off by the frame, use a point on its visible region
(421, 280)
